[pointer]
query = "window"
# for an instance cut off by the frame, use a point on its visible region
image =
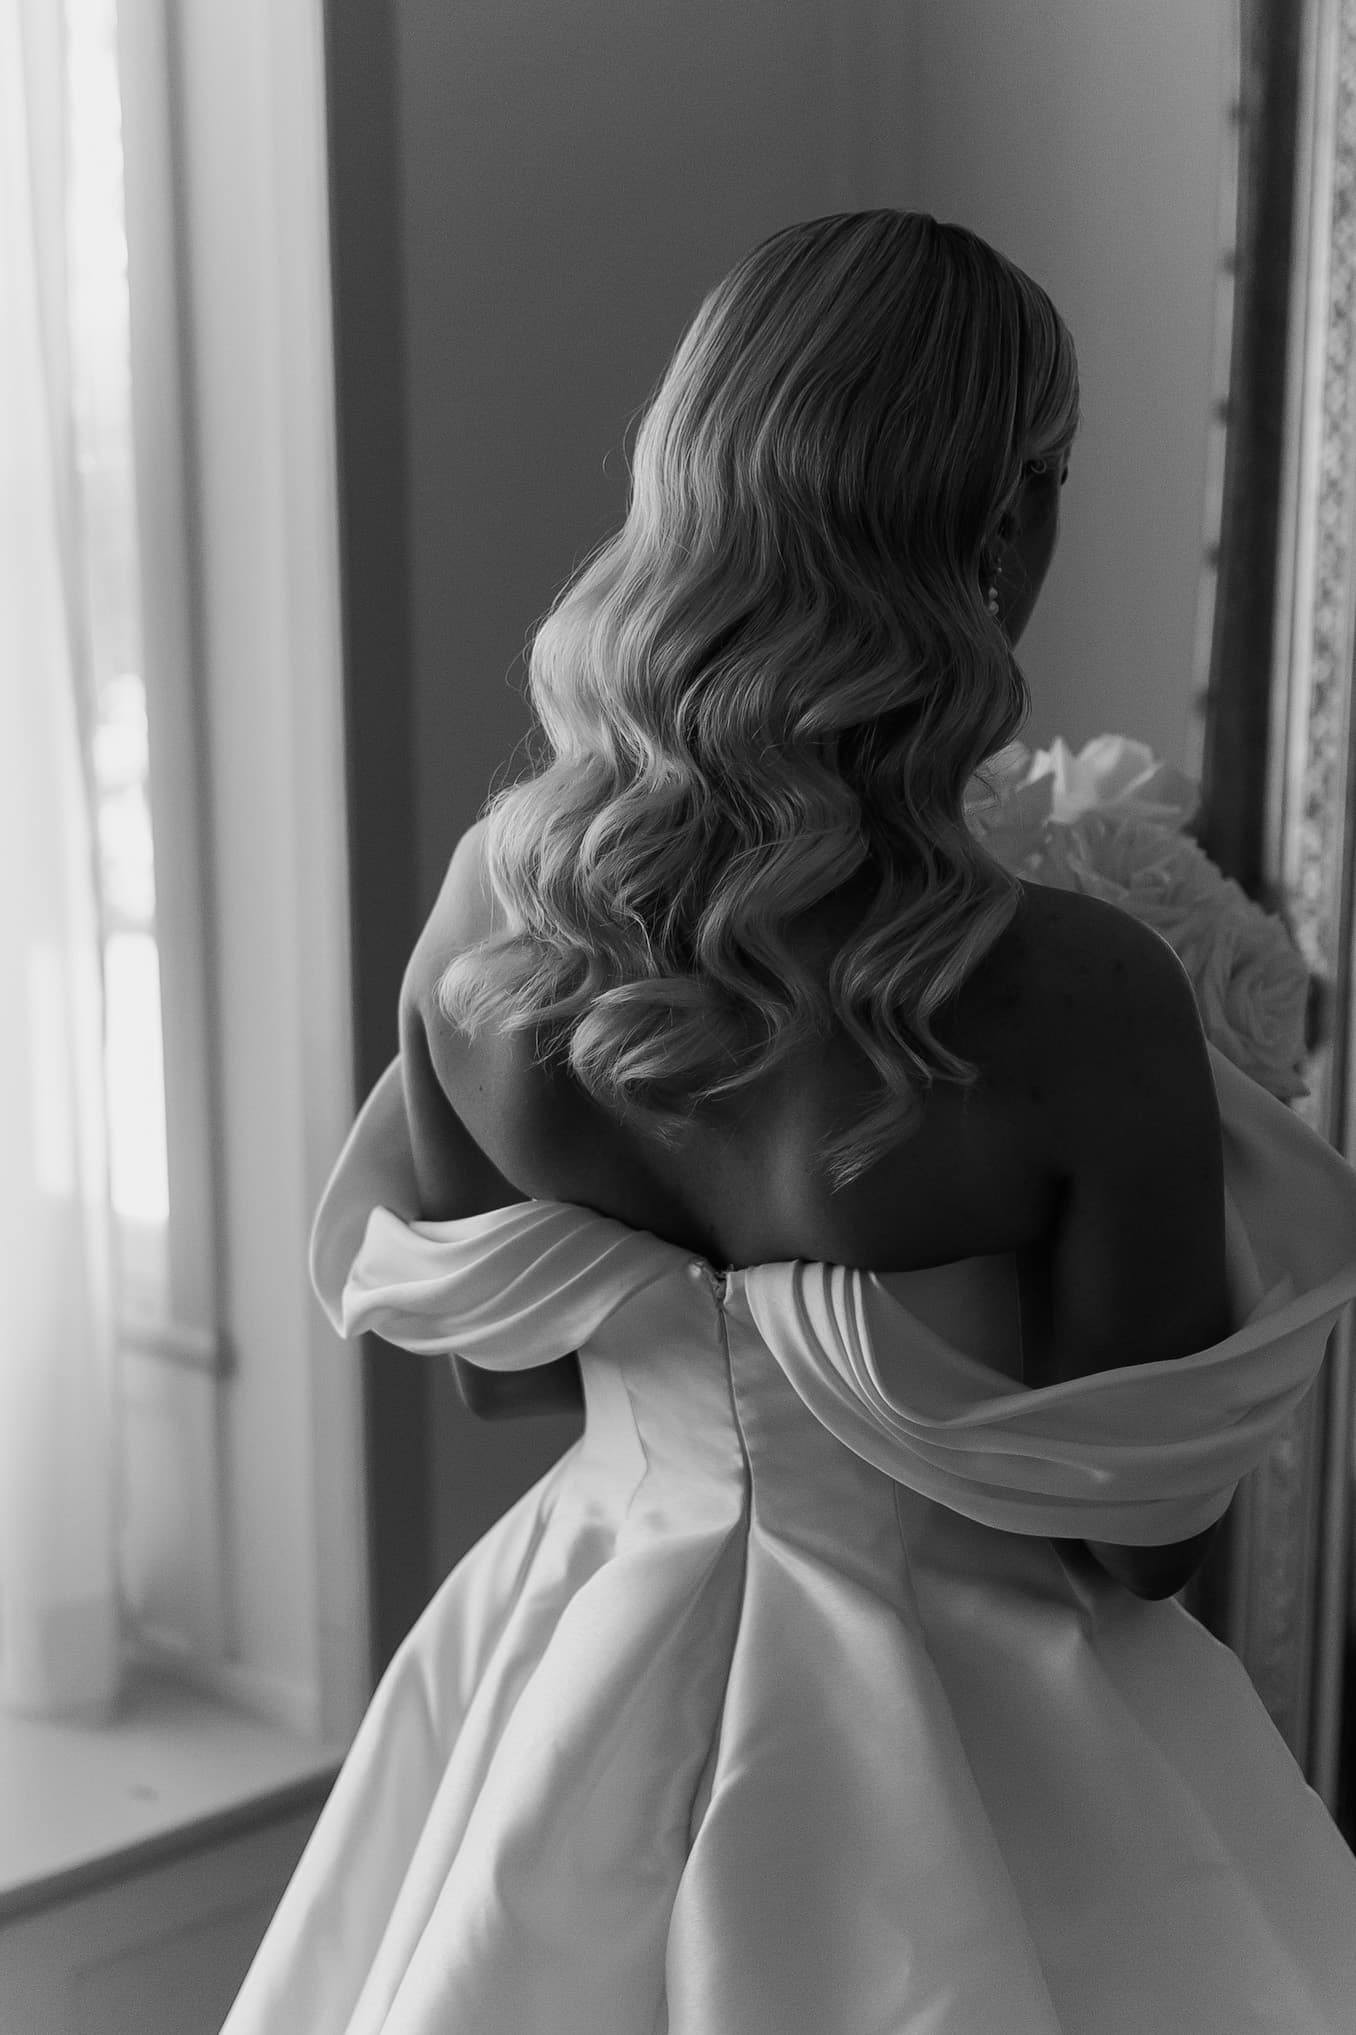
(243, 1447)
(202, 400)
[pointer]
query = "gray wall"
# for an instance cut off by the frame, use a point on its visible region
(573, 180)
(1087, 139)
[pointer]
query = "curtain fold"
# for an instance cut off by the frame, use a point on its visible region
(59, 1598)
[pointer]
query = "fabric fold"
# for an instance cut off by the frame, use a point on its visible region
(1145, 1454)
(722, 1730)
(516, 1287)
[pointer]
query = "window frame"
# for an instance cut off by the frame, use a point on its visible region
(241, 1418)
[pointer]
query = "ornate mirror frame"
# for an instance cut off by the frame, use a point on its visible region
(1275, 752)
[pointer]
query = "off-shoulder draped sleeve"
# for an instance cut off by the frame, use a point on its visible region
(1144, 1455)
(516, 1287)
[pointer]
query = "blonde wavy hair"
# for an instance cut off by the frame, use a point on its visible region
(781, 669)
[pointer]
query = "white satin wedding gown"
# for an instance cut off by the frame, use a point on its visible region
(770, 1709)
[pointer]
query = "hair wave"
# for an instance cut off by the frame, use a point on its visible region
(779, 670)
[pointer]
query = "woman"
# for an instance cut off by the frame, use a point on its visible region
(927, 1279)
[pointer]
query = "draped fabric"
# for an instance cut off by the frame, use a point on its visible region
(771, 1709)
(1145, 1455)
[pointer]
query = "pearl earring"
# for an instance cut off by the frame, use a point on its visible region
(992, 602)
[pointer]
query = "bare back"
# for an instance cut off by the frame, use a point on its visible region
(1089, 1152)
(978, 1177)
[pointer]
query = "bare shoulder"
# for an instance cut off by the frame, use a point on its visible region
(1062, 958)
(1121, 1024)
(1085, 943)
(1091, 1005)
(1091, 949)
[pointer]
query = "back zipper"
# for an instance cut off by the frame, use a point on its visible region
(719, 1282)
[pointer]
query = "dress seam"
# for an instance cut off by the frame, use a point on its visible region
(746, 1526)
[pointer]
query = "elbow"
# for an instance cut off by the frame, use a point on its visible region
(1166, 1583)
(510, 1395)
(1153, 1573)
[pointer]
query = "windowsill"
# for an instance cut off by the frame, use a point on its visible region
(175, 1768)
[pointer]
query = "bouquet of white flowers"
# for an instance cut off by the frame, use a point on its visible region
(1109, 821)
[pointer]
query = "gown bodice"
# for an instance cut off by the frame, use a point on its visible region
(917, 1374)
(773, 1708)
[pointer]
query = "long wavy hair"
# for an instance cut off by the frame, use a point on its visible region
(779, 672)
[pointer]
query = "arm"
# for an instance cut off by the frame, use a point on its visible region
(513, 1395)
(1154, 1572)
(1150, 1572)
(455, 1177)
(1136, 1266)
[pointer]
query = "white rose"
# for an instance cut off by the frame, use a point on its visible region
(1251, 989)
(1163, 876)
(1113, 770)
(1012, 828)
(1110, 770)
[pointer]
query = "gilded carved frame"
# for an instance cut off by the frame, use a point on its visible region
(1275, 755)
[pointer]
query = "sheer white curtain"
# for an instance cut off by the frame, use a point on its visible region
(59, 1625)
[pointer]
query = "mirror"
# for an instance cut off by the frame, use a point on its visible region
(1278, 813)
